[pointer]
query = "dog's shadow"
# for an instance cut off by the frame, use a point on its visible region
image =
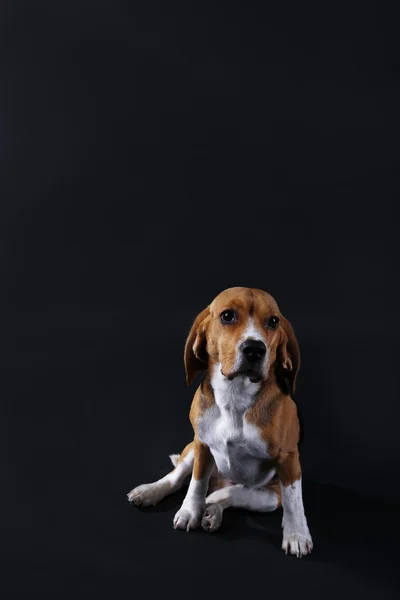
(238, 524)
(349, 530)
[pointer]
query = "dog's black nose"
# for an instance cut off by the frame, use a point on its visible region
(253, 350)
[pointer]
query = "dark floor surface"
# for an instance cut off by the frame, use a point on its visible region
(79, 438)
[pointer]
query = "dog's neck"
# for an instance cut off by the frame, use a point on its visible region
(237, 395)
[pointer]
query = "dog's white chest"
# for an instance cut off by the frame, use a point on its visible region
(238, 450)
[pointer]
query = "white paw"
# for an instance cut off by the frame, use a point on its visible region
(188, 516)
(147, 494)
(212, 517)
(296, 540)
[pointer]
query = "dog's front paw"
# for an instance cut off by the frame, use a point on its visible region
(147, 494)
(188, 516)
(212, 517)
(296, 539)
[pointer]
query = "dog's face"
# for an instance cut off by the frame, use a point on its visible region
(243, 333)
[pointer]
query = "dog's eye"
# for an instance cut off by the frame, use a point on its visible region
(228, 316)
(272, 322)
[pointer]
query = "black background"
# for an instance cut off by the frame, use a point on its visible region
(153, 154)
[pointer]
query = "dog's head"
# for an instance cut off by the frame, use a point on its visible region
(243, 333)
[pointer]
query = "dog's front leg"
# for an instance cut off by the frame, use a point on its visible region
(191, 511)
(296, 536)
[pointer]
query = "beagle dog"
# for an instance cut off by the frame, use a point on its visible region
(246, 428)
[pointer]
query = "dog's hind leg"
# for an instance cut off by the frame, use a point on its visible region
(266, 499)
(151, 493)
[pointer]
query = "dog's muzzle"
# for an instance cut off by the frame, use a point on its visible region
(252, 353)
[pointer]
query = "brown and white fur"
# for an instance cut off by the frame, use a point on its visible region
(246, 430)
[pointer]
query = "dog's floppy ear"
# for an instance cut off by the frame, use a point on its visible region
(288, 357)
(196, 357)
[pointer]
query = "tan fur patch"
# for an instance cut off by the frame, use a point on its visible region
(202, 458)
